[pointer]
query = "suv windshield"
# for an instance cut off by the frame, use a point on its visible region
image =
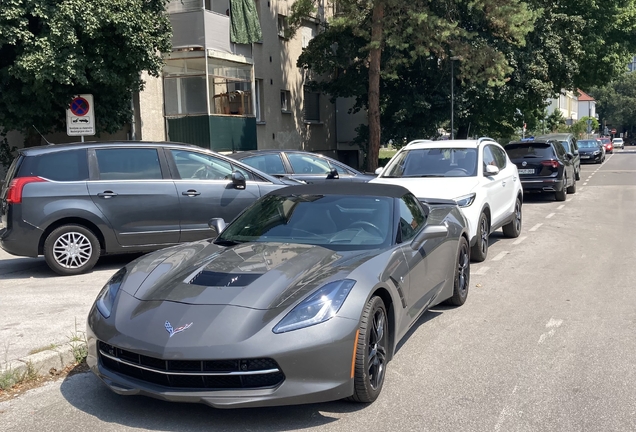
(434, 162)
(529, 150)
(337, 222)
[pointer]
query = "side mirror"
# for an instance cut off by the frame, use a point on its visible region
(238, 180)
(333, 174)
(378, 171)
(570, 156)
(429, 232)
(217, 225)
(492, 170)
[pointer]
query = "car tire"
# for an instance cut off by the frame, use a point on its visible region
(479, 251)
(71, 250)
(369, 372)
(572, 189)
(462, 274)
(562, 194)
(577, 174)
(513, 229)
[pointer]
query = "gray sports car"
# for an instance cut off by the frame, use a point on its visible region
(302, 298)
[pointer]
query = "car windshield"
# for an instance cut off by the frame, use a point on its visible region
(588, 144)
(433, 162)
(525, 150)
(337, 222)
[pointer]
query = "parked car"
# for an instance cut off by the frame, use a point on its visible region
(476, 174)
(300, 165)
(302, 299)
(569, 143)
(544, 166)
(591, 150)
(607, 143)
(75, 202)
(618, 143)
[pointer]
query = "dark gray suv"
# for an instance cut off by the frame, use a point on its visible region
(75, 202)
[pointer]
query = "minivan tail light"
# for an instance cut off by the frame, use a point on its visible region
(550, 163)
(14, 194)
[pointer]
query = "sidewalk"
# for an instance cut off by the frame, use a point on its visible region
(41, 311)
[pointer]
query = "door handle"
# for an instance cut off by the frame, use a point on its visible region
(107, 194)
(191, 193)
(503, 183)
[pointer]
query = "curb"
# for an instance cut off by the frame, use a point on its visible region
(44, 363)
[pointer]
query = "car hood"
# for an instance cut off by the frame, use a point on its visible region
(253, 275)
(434, 187)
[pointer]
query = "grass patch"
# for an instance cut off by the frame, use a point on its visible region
(79, 347)
(11, 377)
(385, 153)
(44, 348)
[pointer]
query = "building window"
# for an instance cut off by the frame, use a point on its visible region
(283, 26)
(230, 88)
(285, 101)
(260, 112)
(308, 32)
(184, 87)
(312, 105)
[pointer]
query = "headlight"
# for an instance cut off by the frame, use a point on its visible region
(106, 297)
(465, 200)
(319, 307)
(597, 152)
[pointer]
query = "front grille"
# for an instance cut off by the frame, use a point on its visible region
(192, 374)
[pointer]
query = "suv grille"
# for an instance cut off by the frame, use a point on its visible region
(204, 374)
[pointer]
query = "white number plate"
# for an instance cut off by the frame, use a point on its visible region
(585, 157)
(526, 171)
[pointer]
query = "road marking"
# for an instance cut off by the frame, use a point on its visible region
(519, 240)
(560, 207)
(585, 184)
(500, 256)
(583, 256)
(481, 271)
(505, 412)
(536, 227)
(553, 324)
(550, 216)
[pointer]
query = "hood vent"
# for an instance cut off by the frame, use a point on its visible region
(218, 279)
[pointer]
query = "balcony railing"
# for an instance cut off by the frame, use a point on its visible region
(204, 29)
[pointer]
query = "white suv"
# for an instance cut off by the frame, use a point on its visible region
(618, 143)
(477, 174)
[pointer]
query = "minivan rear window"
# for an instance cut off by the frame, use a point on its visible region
(529, 150)
(67, 165)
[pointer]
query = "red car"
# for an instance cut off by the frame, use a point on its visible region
(607, 143)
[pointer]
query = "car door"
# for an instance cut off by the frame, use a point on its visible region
(426, 265)
(206, 191)
(494, 185)
(269, 163)
(133, 189)
(309, 168)
(509, 179)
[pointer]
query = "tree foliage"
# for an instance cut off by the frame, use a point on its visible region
(555, 120)
(51, 50)
(616, 102)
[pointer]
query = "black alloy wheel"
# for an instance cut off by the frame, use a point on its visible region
(462, 274)
(479, 251)
(562, 194)
(513, 228)
(371, 352)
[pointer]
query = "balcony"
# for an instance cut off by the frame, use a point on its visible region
(204, 29)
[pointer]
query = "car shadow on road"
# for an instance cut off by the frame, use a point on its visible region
(27, 268)
(88, 394)
(538, 198)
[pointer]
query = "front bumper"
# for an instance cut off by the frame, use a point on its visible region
(590, 158)
(316, 363)
(542, 185)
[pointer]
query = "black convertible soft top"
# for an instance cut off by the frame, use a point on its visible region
(338, 187)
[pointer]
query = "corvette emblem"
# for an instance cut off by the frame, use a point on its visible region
(524, 163)
(174, 331)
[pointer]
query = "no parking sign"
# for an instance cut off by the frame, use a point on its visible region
(80, 116)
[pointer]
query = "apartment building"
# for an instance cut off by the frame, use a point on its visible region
(567, 102)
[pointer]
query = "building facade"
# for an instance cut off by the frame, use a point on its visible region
(567, 103)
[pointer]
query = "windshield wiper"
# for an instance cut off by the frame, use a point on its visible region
(223, 242)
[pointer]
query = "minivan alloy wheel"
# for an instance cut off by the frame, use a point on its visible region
(72, 250)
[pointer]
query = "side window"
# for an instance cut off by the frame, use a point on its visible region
(267, 163)
(500, 157)
(560, 151)
(575, 147)
(341, 170)
(128, 164)
(307, 164)
(69, 165)
(193, 165)
(489, 158)
(411, 218)
(248, 175)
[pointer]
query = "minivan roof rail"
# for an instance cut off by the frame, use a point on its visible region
(479, 140)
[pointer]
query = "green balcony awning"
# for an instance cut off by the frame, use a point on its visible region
(245, 28)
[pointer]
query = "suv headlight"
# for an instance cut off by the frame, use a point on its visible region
(319, 307)
(465, 200)
(106, 297)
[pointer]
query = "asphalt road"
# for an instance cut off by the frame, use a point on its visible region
(545, 342)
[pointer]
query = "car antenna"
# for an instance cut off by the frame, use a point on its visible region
(43, 137)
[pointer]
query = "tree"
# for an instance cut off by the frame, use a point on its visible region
(393, 35)
(554, 120)
(616, 102)
(51, 50)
